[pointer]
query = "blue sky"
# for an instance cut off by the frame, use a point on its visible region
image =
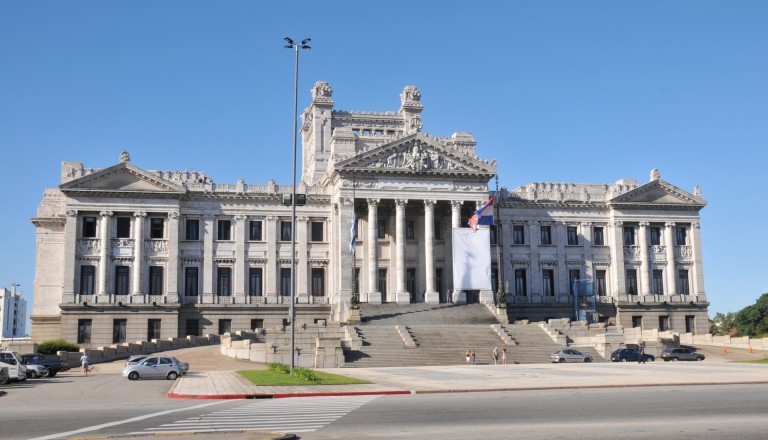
(590, 91)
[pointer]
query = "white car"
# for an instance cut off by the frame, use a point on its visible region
(157, 367)
(35, 371)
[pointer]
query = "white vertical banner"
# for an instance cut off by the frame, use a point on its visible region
(471, 259)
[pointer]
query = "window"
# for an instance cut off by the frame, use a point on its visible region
(118, 330)
(520, 286)
(190, 281)
(87, 279)
(495, 279)
(637, 321)
(224, 230)
(254, 281)
(681, 235)
(317, 231)
(548, 282)
(682, 282)
(690, 324)
(663, 323)
(410, 281)
(378, 132)
(156, 227)
(366, 131)
(410, 230)
(546, 234)
(89, 227)
(254, 230)
(285, 281)
(574, 275)
(193, 229)
(381, 229)
(597, 236)
(224, 281)
(155, 280)
(573, 235)
(383, 282)
(123, 227)
(494, 236)
(518, 234)
(600, 282)
(438, 231)
(257, 323)
(655, 236)
(631, 281)
(318, 281)
(357, 287)
(225, 326)
(629, 235)
(153, 329)
(439, 279)
(191, 327)
(121, 280)
(84, 331)
(657, 288)
(285, 231)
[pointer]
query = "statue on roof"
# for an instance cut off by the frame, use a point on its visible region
(125, 157)
(655, 174)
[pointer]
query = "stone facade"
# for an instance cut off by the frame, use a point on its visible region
(125, 253)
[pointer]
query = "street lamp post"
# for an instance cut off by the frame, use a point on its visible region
(292, 312)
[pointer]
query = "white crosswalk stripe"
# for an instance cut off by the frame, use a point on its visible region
(302, 414)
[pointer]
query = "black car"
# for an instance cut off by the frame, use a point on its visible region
(49, 361)
(630, 355)
(681, 354)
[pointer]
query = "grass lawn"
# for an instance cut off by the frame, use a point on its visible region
(273, 378)
(759, 361)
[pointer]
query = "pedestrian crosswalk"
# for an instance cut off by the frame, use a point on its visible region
(294, 415)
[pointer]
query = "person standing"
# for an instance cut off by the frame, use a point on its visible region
(641, 355)
(469, 356)
(495, 355)
(85, 361)
(504, 356)
(473, 357)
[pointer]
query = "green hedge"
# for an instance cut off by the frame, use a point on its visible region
(51, 347)
(301, 373)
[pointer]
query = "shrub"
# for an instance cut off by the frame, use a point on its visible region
(305, 374)
(51, 347)
(279, 368)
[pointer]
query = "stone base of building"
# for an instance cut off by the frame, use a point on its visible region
(432, 297)
(403, 298)
(45, 328)
(459, 297)
(374, 297)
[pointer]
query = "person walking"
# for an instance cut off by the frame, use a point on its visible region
(469, 356)
(85, 361)
(495, 355)
(641, 356)
(504, 356)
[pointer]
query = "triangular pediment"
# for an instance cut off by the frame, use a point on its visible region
(416, 154)
(658, 192)
(122, 178)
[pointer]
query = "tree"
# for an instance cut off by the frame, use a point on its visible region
(753, 320)
(724, 324)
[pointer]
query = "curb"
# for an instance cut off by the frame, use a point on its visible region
(172, 395)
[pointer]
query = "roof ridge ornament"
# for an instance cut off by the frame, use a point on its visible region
(655, 175)
(125, 157)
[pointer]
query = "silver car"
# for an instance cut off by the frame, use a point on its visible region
(156, 367)
(35, 371)
(569, 355)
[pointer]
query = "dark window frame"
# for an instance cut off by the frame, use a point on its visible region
(317, 231)
(122, 280)
(156, 228)
(256, 230)
(155, 280)
(224, 281)
(191, 281)
(87, 279)
(598, 237)
(192, 229)
(89, 226)
(224, 229)
(122, 227)
(84, 331)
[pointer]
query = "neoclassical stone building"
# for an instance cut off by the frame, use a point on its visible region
(126, 254)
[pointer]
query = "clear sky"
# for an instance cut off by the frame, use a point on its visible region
(588, 91)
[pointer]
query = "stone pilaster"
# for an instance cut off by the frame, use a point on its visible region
(209, 276)
(615, 236)
(347, 263)
(139, 218)
(70, 256)
(302, 264)
(535, 288)
(240, 274)
(431, 296)
(455, 223)
(374, 295)
(402, 296)
(106, 246)
(669, 241)
(173, 255)
(272, 274)
(645, 266)
(486, 295)
(698, 261)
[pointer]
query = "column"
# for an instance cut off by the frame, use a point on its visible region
(71, 269)
(698, 262)
(346, 263)
(586, 243)
(402, 296)
(208, 274)
(106, 244)
(669, 241)
(240, 274)
(618, 271)
(431, 296)
(455, 223)
(486, 296)
(138, 251)
(271, 274)
(645, 266)
(563, 278)
(302, 265)
(374, 296)
(172, 292)
(456, 213)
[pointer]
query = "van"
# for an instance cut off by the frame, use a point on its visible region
(16, 369)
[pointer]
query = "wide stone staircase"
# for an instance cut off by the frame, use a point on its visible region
(423, 334)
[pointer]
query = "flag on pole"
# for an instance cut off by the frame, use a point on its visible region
(352, 235)
(483, 216)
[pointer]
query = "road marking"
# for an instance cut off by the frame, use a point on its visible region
(122, 422)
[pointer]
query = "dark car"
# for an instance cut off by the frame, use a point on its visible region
(49, 361)
(681, 354)
(630, 355)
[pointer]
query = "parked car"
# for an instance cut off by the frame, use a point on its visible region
(681, 354)
(630, 355)
(135, 359)
(49, 361)
(4, 378)
(569, 355)
(16, 369)
(156, 367)
(35, 371)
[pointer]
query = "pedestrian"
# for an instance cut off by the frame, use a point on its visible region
(85, 361)
(473, 357)
(448, 298)
(469, 356)
(495, 355)
(641, 356)
(504, 356)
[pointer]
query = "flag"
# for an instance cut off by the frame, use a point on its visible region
(483, 216)
(352, 235)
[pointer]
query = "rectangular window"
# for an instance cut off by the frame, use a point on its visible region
(257, 323)
(518, 234)
(600, 283)
(637, 321)
(224, 230)
(439, 279)
(438, 231)
(548, 282)
(663, 323)
(84, 331)
(520, 284)
(192, 229)
(681, 236)
(631, 282)
(357, 287)
(118, 330)
(690, 324)
(123, 227)
(190, 281)
(225, 326)
(153, 329)
(318, 281)
(285, 281)
(573, 235)
(191, 327)
(254, 281)
(122, 280)
(683, 287)
(381, 229)
(87, 279)
(597, 236)
(494, 237)
(89, 227)
(224, 281)
(156, 227)
(155, 280)
(629, 235)
(285, 230)
(655, 236)
(318, 229)
(383, 282)
(254, 230)
(410, 281)
(410, 230)
(495, 279)
(658, 282)
(546, 234)
(574, 276)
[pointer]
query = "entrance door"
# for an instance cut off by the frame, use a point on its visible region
(473, 296)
